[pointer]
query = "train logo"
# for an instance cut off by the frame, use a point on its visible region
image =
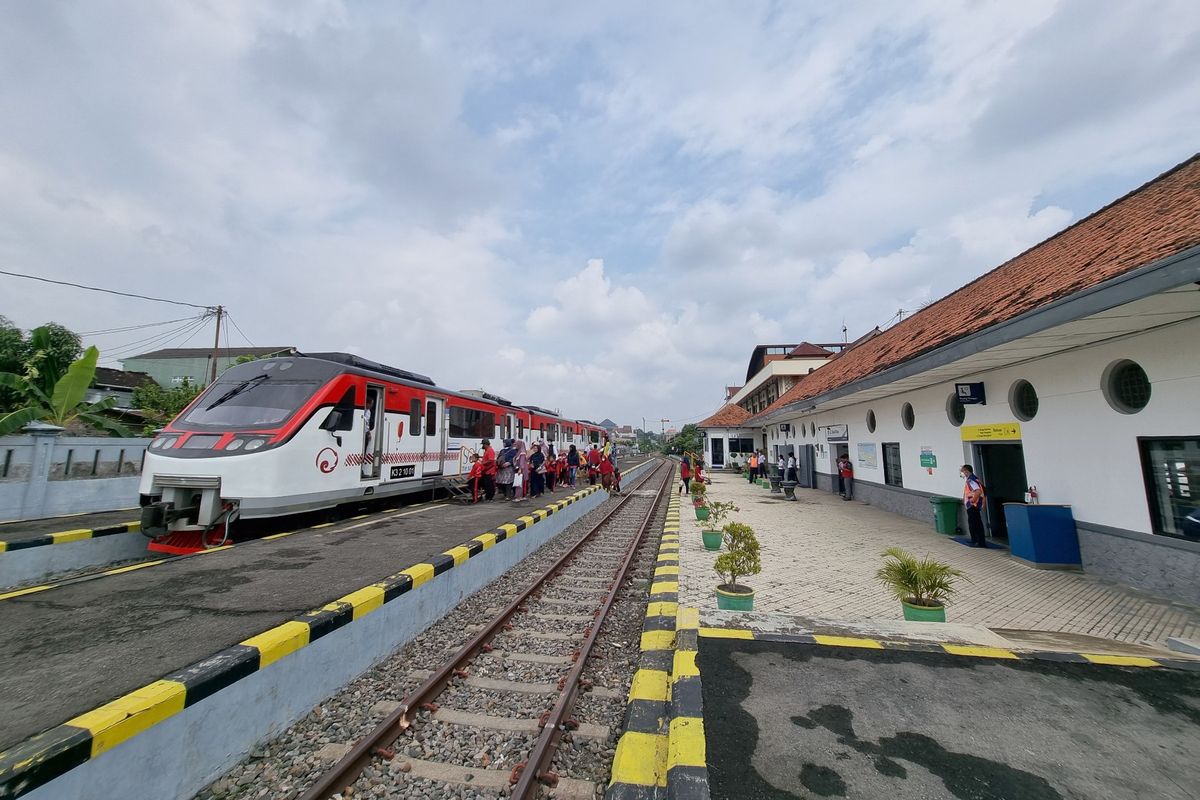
(327, 460)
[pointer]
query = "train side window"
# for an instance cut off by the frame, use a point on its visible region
(341, 418)
(431, 427)
(520, 428)
(414, 417)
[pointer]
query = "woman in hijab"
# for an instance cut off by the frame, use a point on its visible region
(537, 471)
(573, 462)
(520, 472)
(505, 470)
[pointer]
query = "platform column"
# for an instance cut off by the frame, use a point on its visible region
(44, 438)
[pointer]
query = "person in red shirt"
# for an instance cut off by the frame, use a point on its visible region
(846, 472)
(606, 474)
(551, 468)
(488, 473)
(593, 462)
(474, 477)
(685, 475)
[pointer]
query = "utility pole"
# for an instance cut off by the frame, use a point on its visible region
(212, 378)
(663, 423)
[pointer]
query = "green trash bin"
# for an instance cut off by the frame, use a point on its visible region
(945, 514)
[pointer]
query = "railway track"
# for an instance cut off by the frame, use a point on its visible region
(518, 688)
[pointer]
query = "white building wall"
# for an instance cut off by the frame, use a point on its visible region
(1078, 450)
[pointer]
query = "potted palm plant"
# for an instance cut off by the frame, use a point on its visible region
(711, 534)
(739, 559)
(923, 586)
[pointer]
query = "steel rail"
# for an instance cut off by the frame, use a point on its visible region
(542, 754)
(378, 741)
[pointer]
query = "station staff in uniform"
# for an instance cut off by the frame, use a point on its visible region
(973, 499)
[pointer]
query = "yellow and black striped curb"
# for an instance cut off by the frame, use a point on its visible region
(66, 537)
(639, 770)
(687, 770)
(970, 651)
(40, 759)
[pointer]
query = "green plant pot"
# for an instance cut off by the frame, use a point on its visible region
(712, 539)
(701, 513)
(735, 601)
(764, 483)
(923, 613)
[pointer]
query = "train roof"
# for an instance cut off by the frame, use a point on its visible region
(359, 362)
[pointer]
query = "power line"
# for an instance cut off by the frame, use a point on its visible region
(106, 291)
(107, 331)
(151, 342)
(239, 329)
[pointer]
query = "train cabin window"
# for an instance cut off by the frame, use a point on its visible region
(431, 426)
(414, 417)
(520, 428)
(468, 423)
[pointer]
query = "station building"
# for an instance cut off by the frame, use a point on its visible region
(1073, 368)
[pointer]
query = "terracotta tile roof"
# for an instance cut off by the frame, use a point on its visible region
(809, 350)
(1155, 221)
(728, 416)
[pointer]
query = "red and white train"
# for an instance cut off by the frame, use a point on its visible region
(306, 432)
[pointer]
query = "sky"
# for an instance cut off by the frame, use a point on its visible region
(597, 207)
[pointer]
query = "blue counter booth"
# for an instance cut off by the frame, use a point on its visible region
(1043, 536)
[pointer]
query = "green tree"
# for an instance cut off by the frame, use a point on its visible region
(64, 403)
(688, 440)
(741, 556)
(43, 357)
(162, 405)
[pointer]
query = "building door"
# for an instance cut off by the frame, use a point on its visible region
(806, 466)
(435, 436)
(718, 453)
(1002, 470)
(840, 451)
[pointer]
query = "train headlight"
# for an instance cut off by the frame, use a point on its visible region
(236, 444)
(254, 444)
(168, 443)
(157, 443)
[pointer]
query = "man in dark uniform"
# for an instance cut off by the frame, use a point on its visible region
(973, 499)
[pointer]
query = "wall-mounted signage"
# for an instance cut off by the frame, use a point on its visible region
(837, 433)
(868, 456)
(970, 394)
(993, 432)
(928, 459)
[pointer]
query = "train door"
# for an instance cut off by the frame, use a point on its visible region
(435, 435)
(510, 426)
(373, 423)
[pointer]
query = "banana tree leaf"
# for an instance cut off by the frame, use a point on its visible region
(111, 426)
(101, 405)
(72, 387)
(15, 420)
(11, 380)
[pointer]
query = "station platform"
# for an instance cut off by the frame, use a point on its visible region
(70, 649)
(27, 532)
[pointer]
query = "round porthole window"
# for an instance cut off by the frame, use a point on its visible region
(812, 429)
(1023, 400)
(870, 421)
(956, 412)
(907, 417)
(1126, 386)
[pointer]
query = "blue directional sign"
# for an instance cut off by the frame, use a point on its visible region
(970, 394)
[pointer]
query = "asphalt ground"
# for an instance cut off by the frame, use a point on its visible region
(787, 720)
(70, 649)
(32, 528)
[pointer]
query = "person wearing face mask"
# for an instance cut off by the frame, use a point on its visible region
(973, 499)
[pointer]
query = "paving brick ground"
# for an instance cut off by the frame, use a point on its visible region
(820, 555)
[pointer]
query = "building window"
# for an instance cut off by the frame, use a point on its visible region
(892, 474)
(907, 417)
(1171, 468)
(870, 421)
(956, 412)
(812, 429)
(1023, 400)
(1126, 387)
(740, 445)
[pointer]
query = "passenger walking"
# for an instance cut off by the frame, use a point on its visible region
(489, 470)
(792, 475)
(505, 469)
(520, 472)
(762, 464)
(685, 475)
(537, 471)
(551, 468)
(563, 476)
(572, 465)
(593, 460)
(752, 467)
(974, 499)
(846, 472)
(606, 474)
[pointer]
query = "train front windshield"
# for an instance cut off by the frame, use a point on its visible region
(260, 401)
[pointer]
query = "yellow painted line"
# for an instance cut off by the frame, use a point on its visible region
(688, 619)
(727, 633)
(847, 641)
(684, 665)
(323, 525)
(361, 516)
(129, 715)
(1120, 661)
(649, 684)
(658, 640)
(982, 652)
(278, 642)
(686, 743)
(540, 514)
(660, 571)
(419, 573)
(365, 600)
(487, 539)
(528, 520)
(279, 535)
(664, 586)
(509, 529)
(669, 547)
(27, 590)
(640, 759)
(3, 546)
(662, 609)
(212, 550)
(132, 567)
(71, 536)
(460, 554)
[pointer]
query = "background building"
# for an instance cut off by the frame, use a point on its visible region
(171, 367)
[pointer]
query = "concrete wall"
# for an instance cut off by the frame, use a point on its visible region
(1078, 450)
(48, 474)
